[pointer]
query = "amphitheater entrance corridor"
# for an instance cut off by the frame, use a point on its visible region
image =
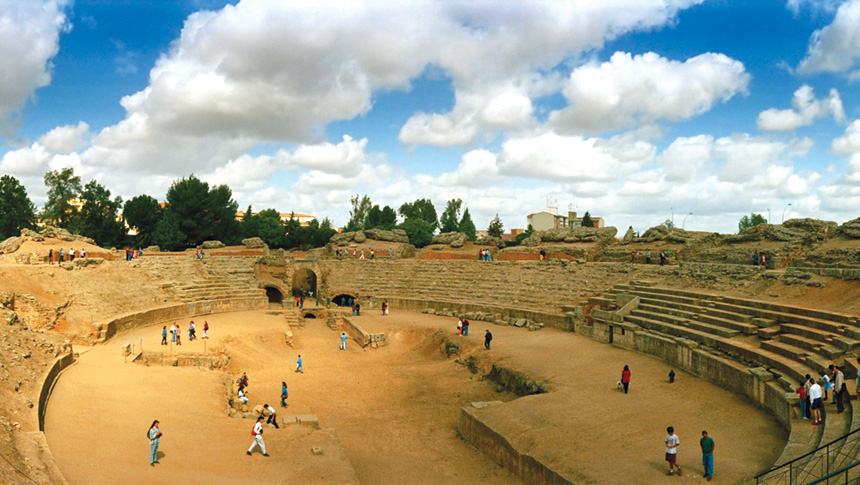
(304, 280)
(342, 299)
(274, 295)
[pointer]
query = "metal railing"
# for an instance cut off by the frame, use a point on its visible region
(847, 475)
(836, 456)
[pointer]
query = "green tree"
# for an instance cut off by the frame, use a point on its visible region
(586, 220)
(99, 215)
(167, 234)
(669, 224)
(449, 220)
(496, 228)
(292, 232)
(358, 214)
(467, 226)
(203, 213)
(422, 209)
(323, 233)
(142, 213)
(751, 220)
(16, 210)
(528, 232)
(63, 187)
(419, 232)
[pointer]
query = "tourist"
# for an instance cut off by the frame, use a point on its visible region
(61, 255)
(299, 367)
(273, 419)
(838, 387)
(389, 252)
(707, 444)
(242, 381)
(672, 443)
(371, 253)
(357, 309)
(662, 258)
(353, 309)
(633, 257)
(343, 341)
(625, 378)
(385, 308)
(807, 383)
(648, 257)
(465, 327)
(179, 335)
(71, 255)
(205, 330)
(243, 394)
(284, 394)
(460, 327)
(542, 255)
(83, 253)
(763, 259)
(318, 300)
(815, 397)
(298, 301)
(488, 337)
(154, 436)
(671, 376)
(257, 432)
(164, 335)
(50, 256)
(191, 331)
(362, 254)
(173, 333)
(139, 252)
(826, 385)
(801, 394)
(755, 259)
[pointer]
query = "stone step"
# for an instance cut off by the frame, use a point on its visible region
(812, 345)
(822, 336)
(785, 350)
(690, 312)
(704, 327)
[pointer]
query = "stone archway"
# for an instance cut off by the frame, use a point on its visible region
(274, 295)
(304, 280)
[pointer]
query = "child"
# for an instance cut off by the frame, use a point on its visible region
(826, 384)
(672, 443)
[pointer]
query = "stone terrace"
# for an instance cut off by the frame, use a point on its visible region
(214, 278)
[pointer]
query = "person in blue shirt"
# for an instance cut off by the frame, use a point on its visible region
(343, 341)
(299, 367)
(154, 435)
(284, 394)
(164, 335)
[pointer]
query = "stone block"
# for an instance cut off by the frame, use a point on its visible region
(288, 337)
(762, 322)
(259, 409)
(289, 419)
(316, 450)
(485, 404)
(767, 333)
(311, 420)
(520, 322)
(762, 373)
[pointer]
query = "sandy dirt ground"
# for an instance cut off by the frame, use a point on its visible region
(394, 409)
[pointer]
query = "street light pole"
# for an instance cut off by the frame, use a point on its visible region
(783, 211)
(768, 216)
(673, 215)
(685, 219)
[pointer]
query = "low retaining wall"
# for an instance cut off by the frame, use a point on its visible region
(556, 320)
(497, 448)
(106, 330)
(195, 359)
(48, 384)
(360, 335)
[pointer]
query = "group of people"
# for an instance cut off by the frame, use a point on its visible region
(663, 258)
(813, 394)
(385, 308)
(463, 331)
(706, 444)
(61, 255)
(199, 254)
(484, 255)
(176, 333)
(358, 254)
(759, 259)
(131, 254)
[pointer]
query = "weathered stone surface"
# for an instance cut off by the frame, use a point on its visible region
(820, 229)
(850, 229)
(254, 242)
(153, 249)
(768, 232)
(11, 244)
(628, 236)
(397, 235)
(308, 420)
(29, 233)
(57, 233)
(454, 239)
(531, 241)
(405, 251)
(84, 262)
(359, 237)
(316, 450)
(211, 245)
(260, 410)
(67, 266)
(342, 239)
(579, 234)
(490, 241)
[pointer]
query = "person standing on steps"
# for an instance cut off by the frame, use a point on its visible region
(257, 433)
(826, 385)
(708, 446)
(625, 378)
(154, 435)
(343, 341)
(299, 367)
(838, 387)
(164, 335)
(672, 443)
(815, 397)
(272, 419)
(488, 337)
(284, 394)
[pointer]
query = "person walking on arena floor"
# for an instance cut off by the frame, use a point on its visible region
(206, 330)
(488, 337)
(272, 419)
(299, 367)
(164, 335)
(178, 334)
(671, 376)
(707, 444)
(672, 443)
(257, 433)
(625, 378)
(343, 341)
(173, 333)
(284, 394)
(154, 435)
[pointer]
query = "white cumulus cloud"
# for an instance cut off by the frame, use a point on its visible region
(67, 138)
(834, 48)
(805, 110)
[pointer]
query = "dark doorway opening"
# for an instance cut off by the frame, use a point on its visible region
(304, 282)
(274, 295)
(342, 299)
(610, 334)
(310, 315)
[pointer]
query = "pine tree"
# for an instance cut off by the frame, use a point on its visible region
(496, 228)
(467, 226)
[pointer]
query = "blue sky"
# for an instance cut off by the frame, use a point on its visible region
(632, 112)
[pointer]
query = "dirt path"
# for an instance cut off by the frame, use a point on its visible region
(394, 409)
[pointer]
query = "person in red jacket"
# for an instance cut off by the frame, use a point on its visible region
(625, 378)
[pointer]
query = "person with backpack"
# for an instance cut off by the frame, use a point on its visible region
(154, 435)
(257, 433)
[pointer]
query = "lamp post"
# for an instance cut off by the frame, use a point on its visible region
(768, 216)
(685, 219)
(673, 215)
(783, 211)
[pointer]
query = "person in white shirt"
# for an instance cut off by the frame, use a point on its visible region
(815, 399)
(258, 437)
(243, 395)
(672, 443)
(273, 419)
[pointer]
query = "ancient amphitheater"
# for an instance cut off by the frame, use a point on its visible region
(83, 371)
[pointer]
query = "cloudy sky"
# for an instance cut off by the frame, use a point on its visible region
(634, 110)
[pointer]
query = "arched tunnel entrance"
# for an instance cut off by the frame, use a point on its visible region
(343, 299)
(304, 280)
(274, 295)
